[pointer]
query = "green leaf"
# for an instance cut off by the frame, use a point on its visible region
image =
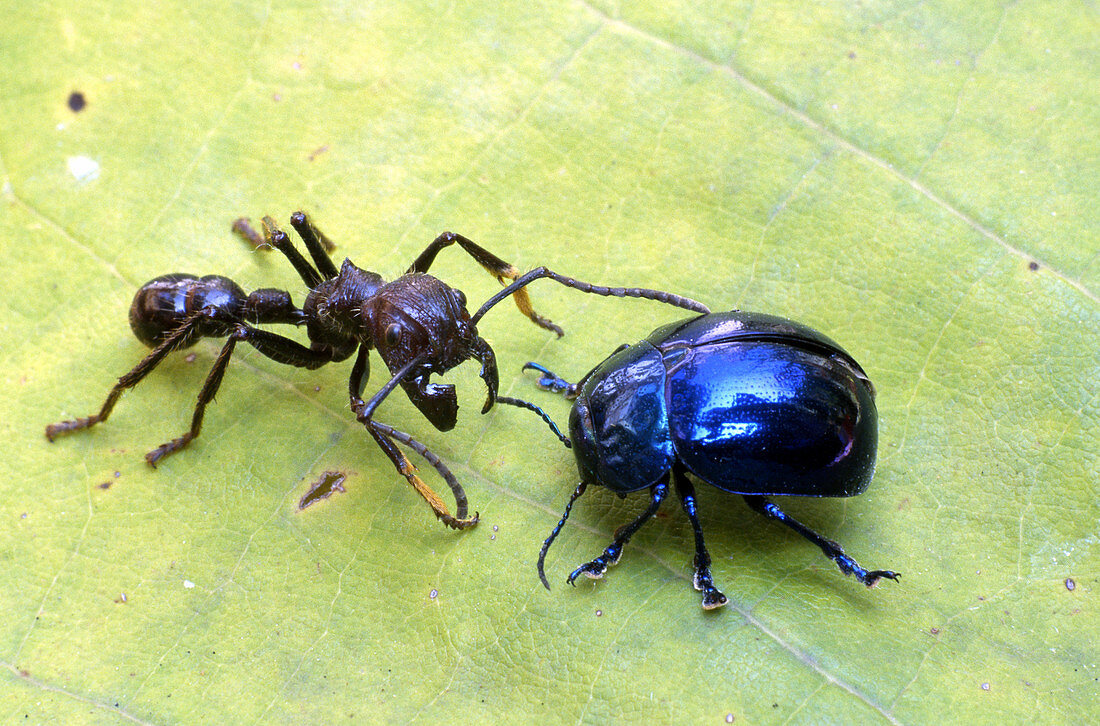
(917, 180)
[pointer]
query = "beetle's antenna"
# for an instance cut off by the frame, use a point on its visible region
(520, 403)
(549, 540)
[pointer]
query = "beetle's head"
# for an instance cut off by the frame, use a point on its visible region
(582, 434)
(418, 315)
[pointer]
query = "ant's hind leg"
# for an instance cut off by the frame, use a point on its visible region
(209, 388)
(276, 347)
(178, 337)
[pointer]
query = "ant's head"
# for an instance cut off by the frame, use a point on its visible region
(419, 317)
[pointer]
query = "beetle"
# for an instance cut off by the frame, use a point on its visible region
(418, 324)
(750, 403)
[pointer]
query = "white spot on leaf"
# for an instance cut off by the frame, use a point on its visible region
(83, 168)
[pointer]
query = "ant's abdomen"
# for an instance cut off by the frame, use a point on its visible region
(165, 303)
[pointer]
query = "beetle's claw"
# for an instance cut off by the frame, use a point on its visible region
(713, 598)
(874, 576)
(593, 570)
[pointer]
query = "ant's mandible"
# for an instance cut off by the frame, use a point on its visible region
(418, 324)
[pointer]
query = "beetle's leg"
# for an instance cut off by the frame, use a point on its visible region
(492, 264)
(316, 242)
(178, 337)
(831, 549)
(385, 435)
(276, 347)
(712, 596)
(550, 381)
(597, 567)
(540, 272)
(520, 403)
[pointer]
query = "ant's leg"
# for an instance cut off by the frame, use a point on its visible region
(610, 556)
(831, 549)
(284, 350)
(540, 272)
(384, 436)
(243, 228)
(276, 347)
(712, 596)
(316, 242)
(275, 237)
(495, 266)
(131, 379)
(209, 388)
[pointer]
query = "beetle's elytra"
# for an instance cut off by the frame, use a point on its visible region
(752, 404)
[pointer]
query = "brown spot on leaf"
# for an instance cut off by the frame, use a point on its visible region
(323, 488)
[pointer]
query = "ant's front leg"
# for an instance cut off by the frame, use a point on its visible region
(385, 436)
(495, 266)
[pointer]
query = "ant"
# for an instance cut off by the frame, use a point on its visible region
(418, 324)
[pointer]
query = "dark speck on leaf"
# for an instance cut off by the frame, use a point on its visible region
(1070, 584)
(77, 102)
(1033, 266)
(852, 54)
(330, 481)
(105, 485)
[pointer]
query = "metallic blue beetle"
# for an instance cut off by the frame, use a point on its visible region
(752, 404)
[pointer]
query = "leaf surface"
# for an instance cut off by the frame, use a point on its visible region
(916, 180)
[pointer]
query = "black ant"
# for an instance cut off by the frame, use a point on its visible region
(418, 323)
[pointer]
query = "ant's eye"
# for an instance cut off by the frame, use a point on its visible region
(461, 297)
(393, 334)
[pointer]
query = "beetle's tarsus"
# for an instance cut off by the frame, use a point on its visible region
(874, 576)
